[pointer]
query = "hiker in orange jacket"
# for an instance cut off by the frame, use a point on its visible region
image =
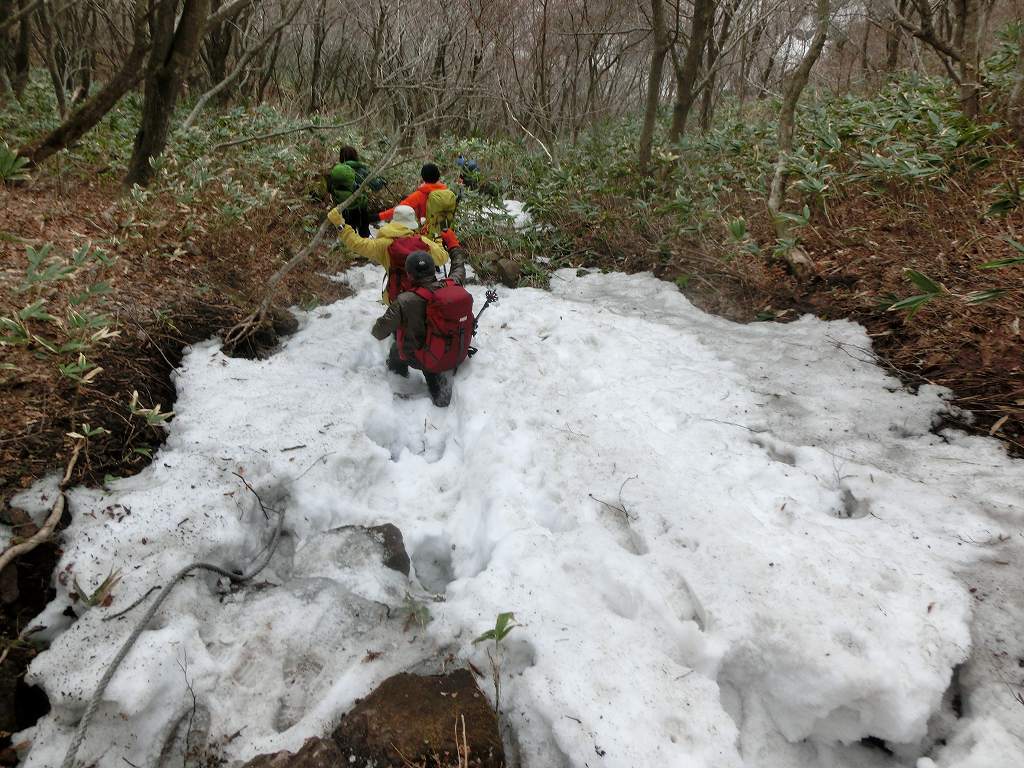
(431, 176)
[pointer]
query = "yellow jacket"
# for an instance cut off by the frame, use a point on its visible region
(376, 248)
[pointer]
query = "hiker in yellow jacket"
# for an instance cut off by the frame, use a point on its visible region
(391, 247)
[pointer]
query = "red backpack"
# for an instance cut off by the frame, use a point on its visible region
(449, 327)
(397, 280)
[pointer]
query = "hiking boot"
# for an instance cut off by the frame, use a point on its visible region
(396, 364)
(440, 387)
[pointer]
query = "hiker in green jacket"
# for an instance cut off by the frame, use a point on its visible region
(342, 181)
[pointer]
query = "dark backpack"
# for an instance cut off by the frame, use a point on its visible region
(449, 327)
(397, 279)
(362, 170)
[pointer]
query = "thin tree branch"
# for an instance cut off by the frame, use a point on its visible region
(239, 67)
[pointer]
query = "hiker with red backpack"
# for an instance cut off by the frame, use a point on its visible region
(393, 244)
(433, 327)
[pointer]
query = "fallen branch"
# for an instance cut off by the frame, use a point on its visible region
(56, 511)
(286, 132)
(526, 130)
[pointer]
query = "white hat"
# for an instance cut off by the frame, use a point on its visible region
(406, 216)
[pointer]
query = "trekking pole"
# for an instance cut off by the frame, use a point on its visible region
(492, 298)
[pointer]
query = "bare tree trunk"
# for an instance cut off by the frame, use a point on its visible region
(22, 59)
(767, 74)
(217, 47)
(435, 126)
(926, 32)
(970, 82)
(173, 49)
(87, 56)
(688, 69)
(659, 50)
(6, 52)
(797, 258)
(864, 68)
(269, 71)
(715, 45)
(1017, 96)
(49, 33)
(92, 111)
(747, 55)
(319, 35)
(893, 33)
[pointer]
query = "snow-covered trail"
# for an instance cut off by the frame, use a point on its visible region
(727, 545)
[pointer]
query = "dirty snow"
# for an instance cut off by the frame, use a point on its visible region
(726, 546)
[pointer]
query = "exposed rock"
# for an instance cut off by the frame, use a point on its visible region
(395, 556)
(354, 547)
(410, 719)
(315, 753)
(509, 272)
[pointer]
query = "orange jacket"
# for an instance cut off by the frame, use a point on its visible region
(417, 200)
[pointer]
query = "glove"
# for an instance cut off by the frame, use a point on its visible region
(334, 216)
(449, 239)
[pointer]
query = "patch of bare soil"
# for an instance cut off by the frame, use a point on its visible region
(168, 291)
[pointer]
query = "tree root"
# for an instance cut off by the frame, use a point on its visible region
(56, 511)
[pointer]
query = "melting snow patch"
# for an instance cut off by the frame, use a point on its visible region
(725, 545)
(513, 211)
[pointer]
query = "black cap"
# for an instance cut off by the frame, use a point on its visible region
(420, 267)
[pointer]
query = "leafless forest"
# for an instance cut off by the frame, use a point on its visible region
(546, 69)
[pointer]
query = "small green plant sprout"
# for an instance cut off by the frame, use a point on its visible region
(783, 245)
(1012, 261)
(12, 167)
(85, 432)
(929, 290)
(80, 370)
(801, 219)
(103, 594)
(738, 229)
(146, 451)
(154, 416)
(417, 613)
(932, 290)
(740, 235)
(504, 624)
(1009, 195)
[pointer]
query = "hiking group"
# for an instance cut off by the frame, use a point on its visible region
(429, 314)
